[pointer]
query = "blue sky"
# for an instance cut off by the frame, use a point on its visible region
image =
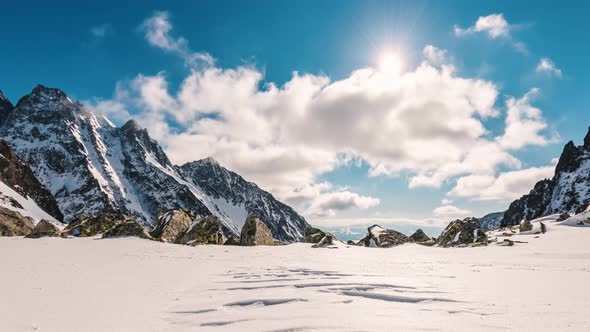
(103, 54)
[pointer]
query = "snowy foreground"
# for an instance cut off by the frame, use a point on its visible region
(54, 284)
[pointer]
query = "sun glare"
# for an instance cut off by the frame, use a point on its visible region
(391, 63)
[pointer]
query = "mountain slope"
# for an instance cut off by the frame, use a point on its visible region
(6, 108)
(569, 187)
(92, 166)
(491, 221)
(228, 194)
(20, 191)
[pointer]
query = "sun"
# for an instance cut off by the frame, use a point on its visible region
(390, 63)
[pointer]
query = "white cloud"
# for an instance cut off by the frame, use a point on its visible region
(547, 66)
(434, 55)
(157, 32)
(507, 186)
(428, 122)
(524, 123)
(102, 30)
(451, 211)
(493, 25)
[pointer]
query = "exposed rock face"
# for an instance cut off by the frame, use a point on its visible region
(207, 230)
(255, 233)
(326, 242)
(44, 229)
(419, 236)
(462, 232)
(91, 166)
(91, 225)
(232, 241)
(6, 108)
(313, 235)
(17, 175)
(125, 229)
(230, 196)
(526, 226)
(13, 223)
(383, 238)
(491, 221)
(568, 189)
(172, 224)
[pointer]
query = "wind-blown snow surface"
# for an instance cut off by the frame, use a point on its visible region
(138, 285)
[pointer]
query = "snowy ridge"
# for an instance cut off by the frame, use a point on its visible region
(91, 166)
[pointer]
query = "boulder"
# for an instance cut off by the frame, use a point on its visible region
(419, 236)
(525, 226)
(44, 229)
(91, 225)
(232, 241)
(326, 242)
(313, 235)
(351, 243)
(171, 224)
(563, 217)
(129, 228)
(255, 232)
(207, 230)
(13, 223)
(427, 243)
(582, 208)
(462, 232)
(383, 238)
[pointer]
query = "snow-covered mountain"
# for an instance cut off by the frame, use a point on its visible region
(568, 189)
(20, 191)
(92, 166)
(491, 221)
(227, 193)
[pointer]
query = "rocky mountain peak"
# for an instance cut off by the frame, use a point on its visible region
(46, 98)
(587, 140)
(131, 125)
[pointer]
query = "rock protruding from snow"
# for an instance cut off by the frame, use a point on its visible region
(91, 225)
(525, 226)
(565, 192)
(129, 228)
(44, 228)
(383, 238)
(171, 224)
(255, 233)
(207, 230)
(419, 236)
(462, 233)
(13, 223)
(17, 175)
(313, 235)
(326, 242)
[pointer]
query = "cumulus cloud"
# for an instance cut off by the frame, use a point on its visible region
(427, 121)
(493, 25)
(524, 123)
(157, 30)
(547, 66)
(451, 211)
(434, 55)
(507, 186)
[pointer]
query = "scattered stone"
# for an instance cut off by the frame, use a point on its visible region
(525, 226)
(171, 224)
(351, 243)
(428, 243)
(543, 228)
(207, 230)
(129, 228)
(580, 223)
(91, 225)
(507, 234)
(13, 223)
(44, 229)
(383, 238)
(419, 236)
(563, 217)
(508, 243)
(255, 232)
(459, 232)
(326, 242)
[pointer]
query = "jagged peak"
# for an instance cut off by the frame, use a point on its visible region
(42, 93)
(45, 91)
(587, 140)
(2, 96)
(131, 125)
(210, 160)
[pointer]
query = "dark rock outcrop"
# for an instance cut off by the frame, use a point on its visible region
(17, 175)
(6, 108)
(326, 242)
(232, 241)
(171, 224)
(91, 225)
(207, 230)
(44, 228)
(13, 223)
(255, 233)
(313, 235)
(129, 228)
(462, 232)
(383, 238)
(419, 236)
(525, 226)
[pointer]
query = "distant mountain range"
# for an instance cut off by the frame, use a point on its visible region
(90, 166)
